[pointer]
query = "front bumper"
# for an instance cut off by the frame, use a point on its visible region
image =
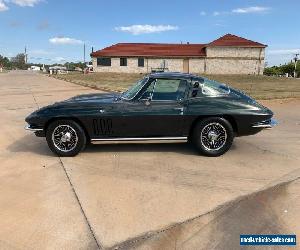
(32, 129)
(38, 131)
(265, 124)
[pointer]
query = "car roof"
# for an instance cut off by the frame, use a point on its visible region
(173, 75)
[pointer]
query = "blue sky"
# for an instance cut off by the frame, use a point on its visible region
(54, 31)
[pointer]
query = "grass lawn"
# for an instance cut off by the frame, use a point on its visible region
(259, 87)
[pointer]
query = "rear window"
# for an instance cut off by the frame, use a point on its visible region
(209, 87)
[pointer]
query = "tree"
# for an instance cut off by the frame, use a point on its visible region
(4, 61)
(287, 68)
(271, 71)
(72, 65)
(19, 61)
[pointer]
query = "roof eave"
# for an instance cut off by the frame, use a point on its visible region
(240, 46)
(150, 56)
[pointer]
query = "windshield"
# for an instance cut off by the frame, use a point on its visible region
(210, 87)
(133, 90)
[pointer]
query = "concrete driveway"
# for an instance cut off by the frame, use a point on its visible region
(135, 196)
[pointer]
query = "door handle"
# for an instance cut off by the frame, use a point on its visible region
(179, 109)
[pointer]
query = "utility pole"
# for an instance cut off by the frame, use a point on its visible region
(84, 53)
(25, 55)
(295, 59)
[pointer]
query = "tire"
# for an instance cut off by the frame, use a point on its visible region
(213, 136)
(65, 138)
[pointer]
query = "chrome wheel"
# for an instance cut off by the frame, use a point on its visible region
(213, 136)
(64, 138)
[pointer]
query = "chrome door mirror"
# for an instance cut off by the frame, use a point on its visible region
(148, 101)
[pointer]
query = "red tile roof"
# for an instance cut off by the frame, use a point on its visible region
(152, 50)
(172, 50)
(235, 41)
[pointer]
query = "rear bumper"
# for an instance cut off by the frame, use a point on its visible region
(265, 124)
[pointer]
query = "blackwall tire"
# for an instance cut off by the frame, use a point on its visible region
(213, 136)
(65, 138)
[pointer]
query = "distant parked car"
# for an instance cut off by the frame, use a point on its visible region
(168, 107)
(58, 70)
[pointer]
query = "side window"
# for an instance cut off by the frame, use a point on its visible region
(169, 89)
(123, 61)
(141, 62)
(103, 61)
(213, 88)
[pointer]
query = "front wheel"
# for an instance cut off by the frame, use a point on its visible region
(65, 137)
(213, 136)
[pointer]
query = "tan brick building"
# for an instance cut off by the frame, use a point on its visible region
(228, 54)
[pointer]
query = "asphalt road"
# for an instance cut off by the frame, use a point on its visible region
(157, 196)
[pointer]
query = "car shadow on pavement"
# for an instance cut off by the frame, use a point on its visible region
(30, 143)
(181, 148)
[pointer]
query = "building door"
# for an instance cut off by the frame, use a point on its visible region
(186, 66)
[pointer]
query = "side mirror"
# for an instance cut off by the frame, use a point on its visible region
(148, 101)
(146, 98)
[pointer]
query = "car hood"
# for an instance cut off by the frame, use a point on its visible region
(91, 98)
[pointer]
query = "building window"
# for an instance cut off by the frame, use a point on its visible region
(141, 62)
(103, 61)
(123, 61)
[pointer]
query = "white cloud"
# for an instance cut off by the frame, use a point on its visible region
(283, 51)
(247, 10)
(203, 13)
(3, 7)
(145, 29)
(65, 41)
(253, 9)
(59, 59)
(24, 3)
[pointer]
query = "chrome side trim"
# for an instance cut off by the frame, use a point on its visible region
(27, 127)
(139, 140)
(266, 124)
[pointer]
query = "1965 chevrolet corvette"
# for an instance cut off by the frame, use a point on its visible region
(171, 107)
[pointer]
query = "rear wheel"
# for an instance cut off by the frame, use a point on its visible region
(213, 136)
(65, 137)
